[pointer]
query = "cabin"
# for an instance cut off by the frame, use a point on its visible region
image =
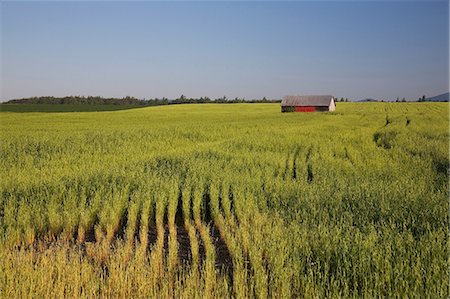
(308, 103)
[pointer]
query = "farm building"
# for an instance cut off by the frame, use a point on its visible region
(308, 103)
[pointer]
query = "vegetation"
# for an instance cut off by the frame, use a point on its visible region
(79, 101)
(201, 201)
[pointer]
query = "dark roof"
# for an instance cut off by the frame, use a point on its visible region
(307, 100)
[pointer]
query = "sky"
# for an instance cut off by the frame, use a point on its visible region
(353, 49)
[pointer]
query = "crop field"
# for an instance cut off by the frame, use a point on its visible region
(61, 108)
(226, 200)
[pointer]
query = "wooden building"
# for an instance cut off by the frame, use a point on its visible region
(308, 103)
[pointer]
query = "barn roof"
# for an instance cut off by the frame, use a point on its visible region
(307, 100)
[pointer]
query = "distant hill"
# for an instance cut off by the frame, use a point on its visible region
(440, 98)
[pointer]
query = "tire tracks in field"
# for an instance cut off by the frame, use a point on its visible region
(194, 228)
(309, 170)
(292, 169)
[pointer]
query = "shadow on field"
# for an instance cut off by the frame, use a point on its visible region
(224, 261)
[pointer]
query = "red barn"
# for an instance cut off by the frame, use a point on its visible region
(308, 103)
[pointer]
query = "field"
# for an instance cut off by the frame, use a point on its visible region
(62, 108)
(217, 200)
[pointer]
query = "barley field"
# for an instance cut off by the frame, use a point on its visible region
(226, 200)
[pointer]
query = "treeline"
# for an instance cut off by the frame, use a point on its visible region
(79, 100)
(184, 100)
(96, 100)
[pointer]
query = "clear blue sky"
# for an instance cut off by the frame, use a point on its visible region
(352, 49)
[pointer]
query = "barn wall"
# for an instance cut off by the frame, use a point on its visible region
(305, 109)
(287, 108)
(332, 106)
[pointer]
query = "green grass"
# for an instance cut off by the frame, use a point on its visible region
(201, 201)
(62, 107)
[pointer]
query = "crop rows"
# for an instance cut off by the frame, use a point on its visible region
(225, 201)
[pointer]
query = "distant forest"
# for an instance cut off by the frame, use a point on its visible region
(79, 100)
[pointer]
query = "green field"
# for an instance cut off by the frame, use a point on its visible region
(202, 201)
(62, 107)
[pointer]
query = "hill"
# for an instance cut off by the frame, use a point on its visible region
(439, 98)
